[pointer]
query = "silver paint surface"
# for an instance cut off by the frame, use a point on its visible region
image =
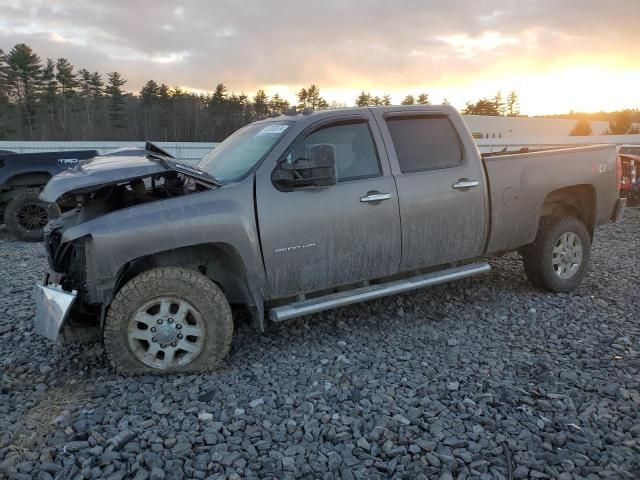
(519, 184)
(342, 240)
(52, 309)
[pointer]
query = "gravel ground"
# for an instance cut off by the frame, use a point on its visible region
(486, 378)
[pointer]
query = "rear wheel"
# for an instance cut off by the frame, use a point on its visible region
(168, 320)
(26, 216)
(558, 258)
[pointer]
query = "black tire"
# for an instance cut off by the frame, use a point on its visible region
(20, 211)
(538, 257)
(202, 294)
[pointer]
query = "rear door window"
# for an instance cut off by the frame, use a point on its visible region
(425, 143)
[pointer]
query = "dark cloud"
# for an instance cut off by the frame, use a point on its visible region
(337, 43)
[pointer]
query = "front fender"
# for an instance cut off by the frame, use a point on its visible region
(224, 215)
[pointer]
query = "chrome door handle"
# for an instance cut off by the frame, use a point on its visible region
(375, 197)
(464, 183)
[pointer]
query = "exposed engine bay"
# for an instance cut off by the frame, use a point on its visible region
(133, 192)
(68, 259)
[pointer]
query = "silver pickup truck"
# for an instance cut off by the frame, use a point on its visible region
(301, 213)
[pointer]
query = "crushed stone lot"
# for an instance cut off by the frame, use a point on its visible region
(484, 378)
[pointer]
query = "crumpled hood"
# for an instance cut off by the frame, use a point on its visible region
(101, 171)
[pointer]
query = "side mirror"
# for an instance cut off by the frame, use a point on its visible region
(318, 170)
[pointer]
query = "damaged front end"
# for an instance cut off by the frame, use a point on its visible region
(69, 303)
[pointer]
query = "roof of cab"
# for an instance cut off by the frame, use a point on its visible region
(295, 115)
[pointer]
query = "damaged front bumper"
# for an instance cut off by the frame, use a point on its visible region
(53, 305)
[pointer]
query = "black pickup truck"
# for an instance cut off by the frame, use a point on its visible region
(22, 177)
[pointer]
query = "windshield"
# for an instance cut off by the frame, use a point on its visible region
(234, 157)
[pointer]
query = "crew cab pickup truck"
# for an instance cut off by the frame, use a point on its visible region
(301, 213)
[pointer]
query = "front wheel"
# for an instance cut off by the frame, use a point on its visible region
(558, 258)
(26, 216)
(168, 320)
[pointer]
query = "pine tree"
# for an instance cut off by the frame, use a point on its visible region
(513, 104)
(423, 99)
(219, 96)
(303, 97)
(363, 99)
(500, 107)
(218, 111)
(66, 78)
(97, 85)
(278, 105)
(22, 76)
(67, 83)
(310, 98)
(4, 99)
(386, 100)
(178, 113)
(164, 111)
(164, 93)
(484, 106)
(149, 93)
(408, 100)
(85, 92)
(84, 83)
(49, 93)
(261, 104)
(149, 98)
(115, 96)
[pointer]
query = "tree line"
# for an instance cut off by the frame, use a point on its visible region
(622, 122)
(52, 100)
(496, 106)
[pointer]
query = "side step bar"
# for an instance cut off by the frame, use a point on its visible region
(314, 305)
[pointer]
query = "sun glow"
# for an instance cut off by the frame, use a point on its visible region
(583, 87)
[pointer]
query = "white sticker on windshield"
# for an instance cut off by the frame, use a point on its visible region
(273, 129)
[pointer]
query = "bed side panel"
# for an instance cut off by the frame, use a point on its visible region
(520, 183)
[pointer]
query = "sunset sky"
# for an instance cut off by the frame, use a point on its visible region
(581, 55)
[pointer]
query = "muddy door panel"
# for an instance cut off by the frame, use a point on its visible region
(441, 190)
(314, 238)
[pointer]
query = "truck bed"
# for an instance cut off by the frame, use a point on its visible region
(519, 183)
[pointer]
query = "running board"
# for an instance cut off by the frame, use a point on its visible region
(314, 305)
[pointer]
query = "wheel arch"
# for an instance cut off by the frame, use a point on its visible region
(28, 179)
(578, 201)
(220, 262)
